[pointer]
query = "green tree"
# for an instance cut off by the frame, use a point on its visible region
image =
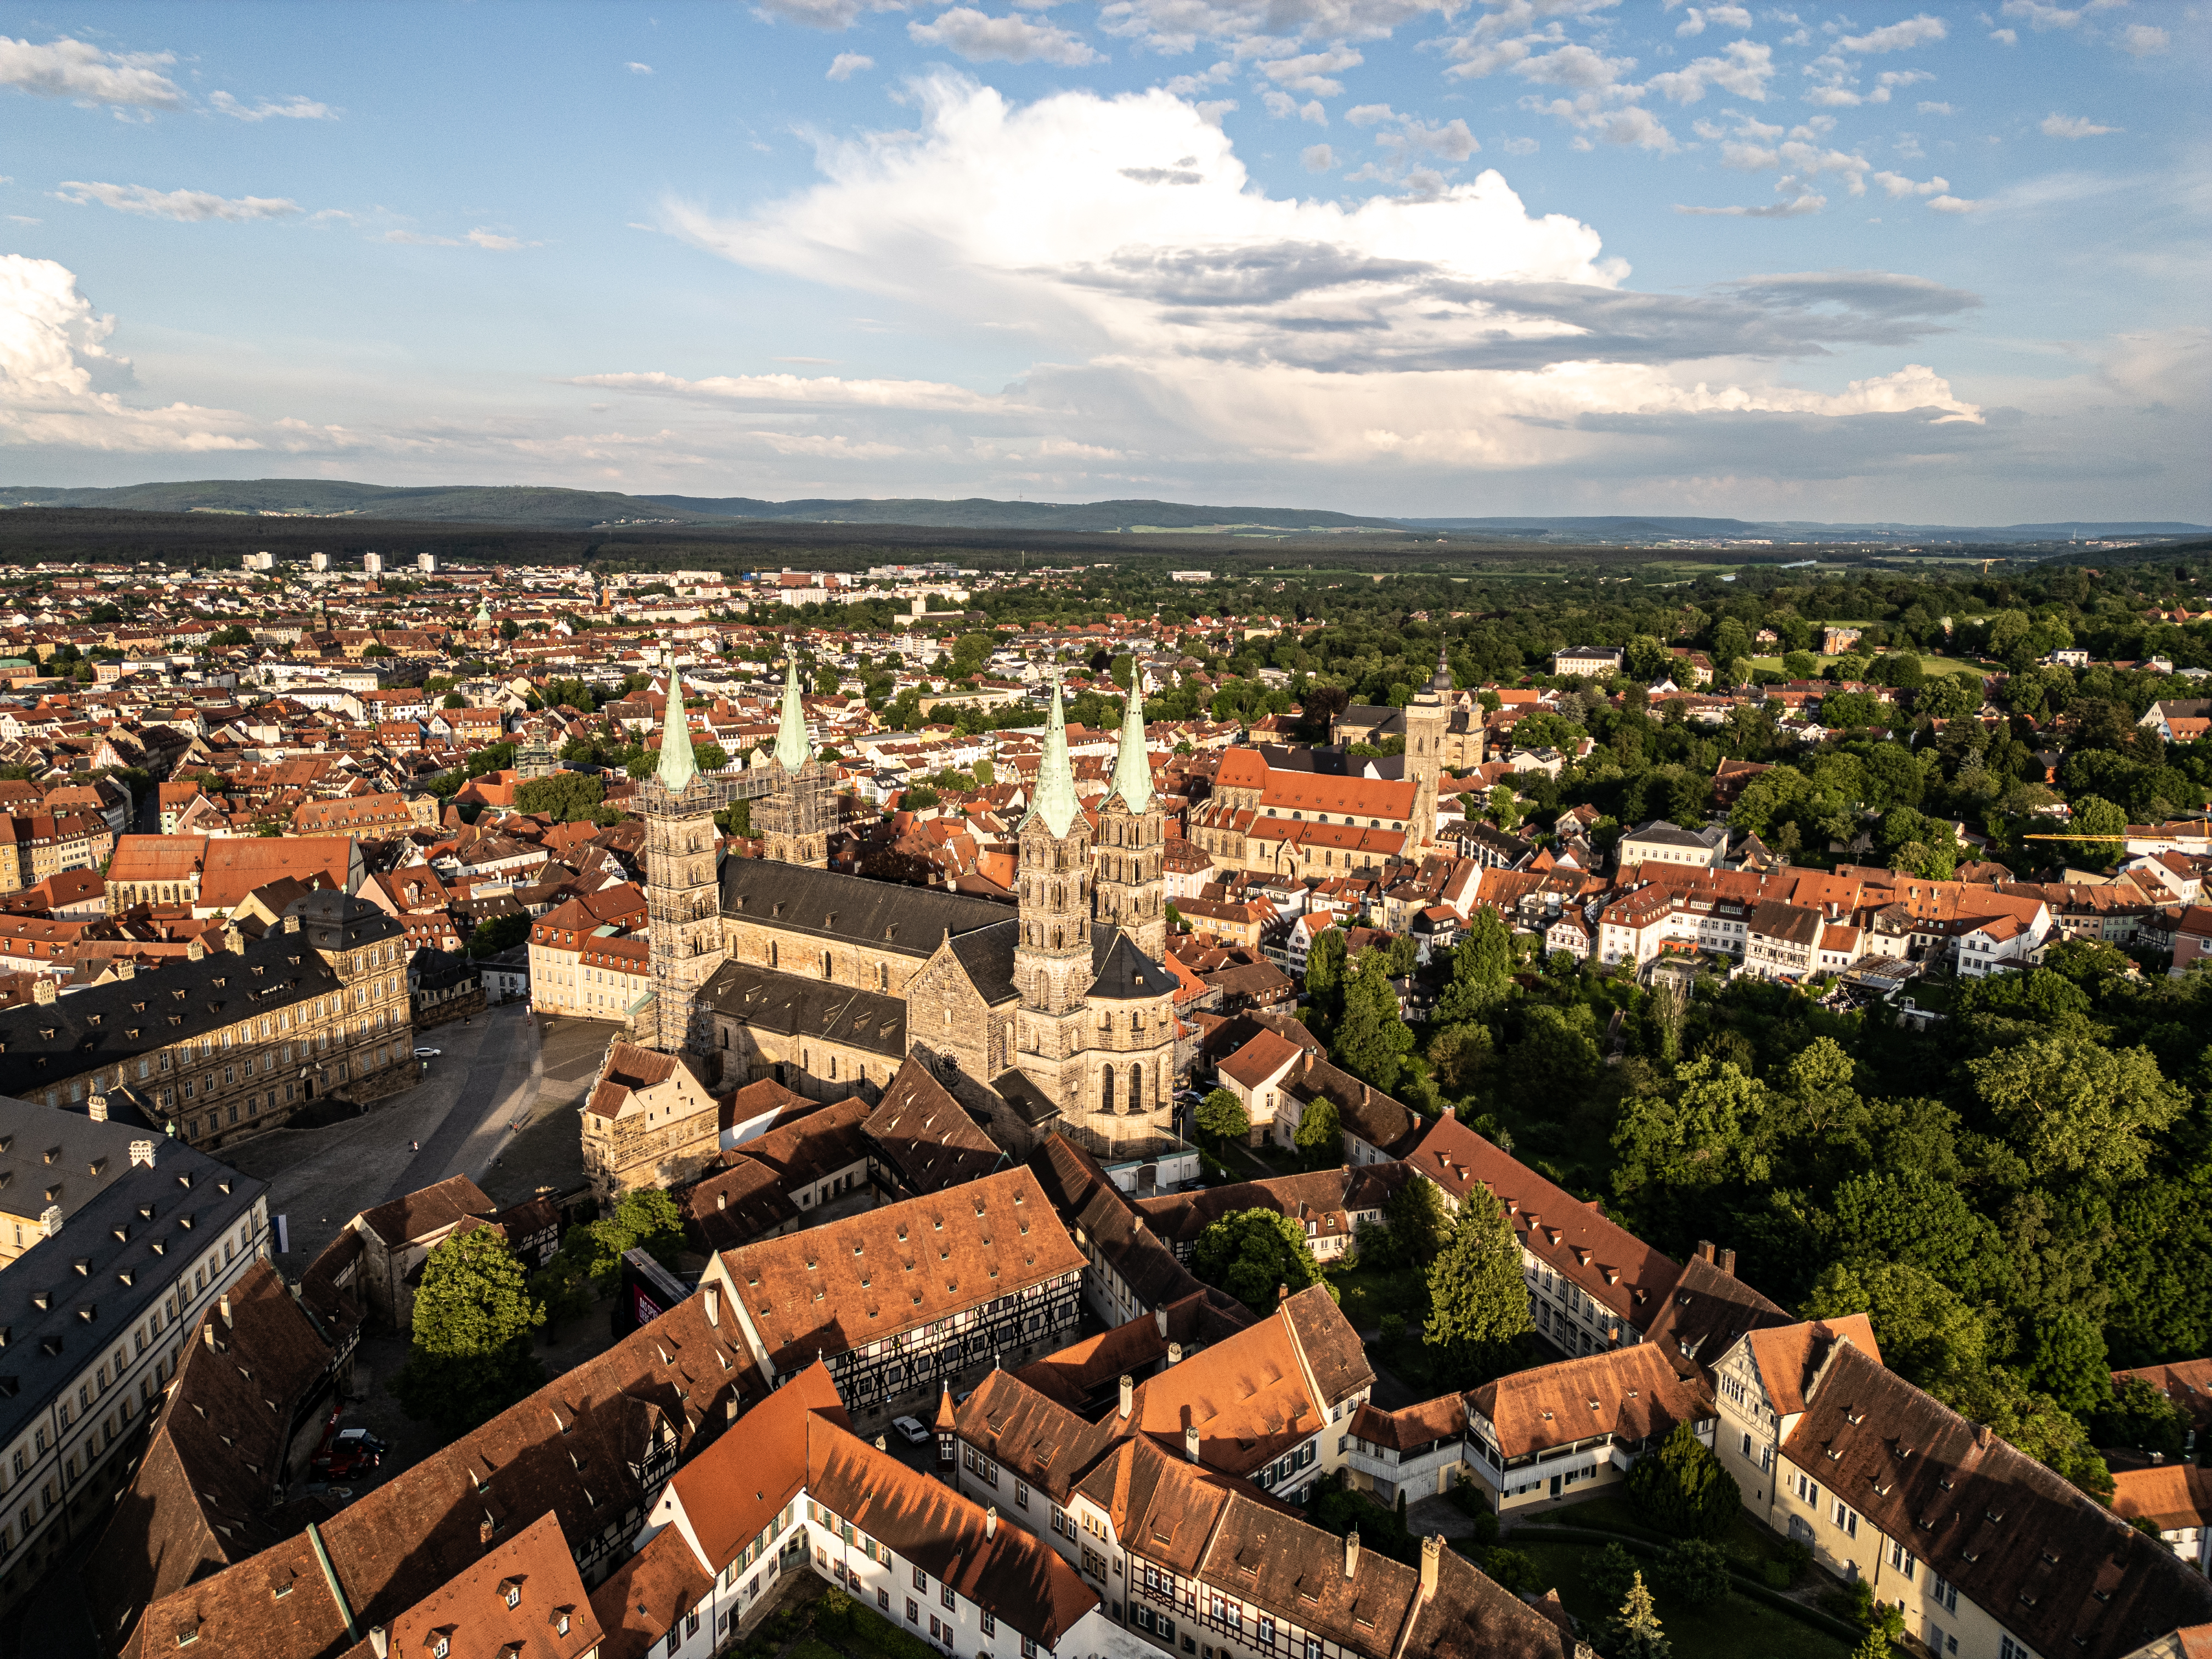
(2140, 1416)
(1634, 1632)
(1419, 1226)
(1695, 1570)
(470, 1356)
(2069, 1363)
(1370, 1040)
(1482, 969)
(2073, 1108)
(1477, 1302)
(1682, 1489)
(567, 796)
(1325, 970)
(1320, 1138)
(1222, 1115)
(1460, 1054)
(1928, 1333)
(496, 934)
(1250, 1252)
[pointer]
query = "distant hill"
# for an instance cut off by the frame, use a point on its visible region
(532, 506)
(1644, 530)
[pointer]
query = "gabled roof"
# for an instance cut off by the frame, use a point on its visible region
(1707, 1310)
(866, 1278)
(648, 1594)
(796, 1005)
(1789, 1357)
(1120, 972)
(927, 1135)
(884, 915)
(2059, 1572)
(428, 1211)
(1629, 1393)
(1035, 1437)
(731, 1490)
(471, 1609)
(1072, 1375)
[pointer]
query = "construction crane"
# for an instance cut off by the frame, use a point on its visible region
(1986, 563)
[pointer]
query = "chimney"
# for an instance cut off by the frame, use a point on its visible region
(126, 968)
(207, 1334)
(42, 989)
(1128, 1394)
(291, 924)
(380, 1641)
(721, 1200)
(730, 1407)
(1174, 1353)
(990, 1523)
(1282, 1292)
(882, 1444)
(96, 1109)
(1351, 1553)
(1160, 1323)
(1728, 1263)
(714, 1305)
(1190, 1441)
(1433, 1550)
(195, 951)
(1704, 1249)
(223, 1307)
(1982, 1436)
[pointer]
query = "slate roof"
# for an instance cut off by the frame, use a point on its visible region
(988, 954)
(792, 1005)
(45, 1044)
(1120, 972)
(112, 1256)
(827, 904)
(68, 1153)
(1707, 1310)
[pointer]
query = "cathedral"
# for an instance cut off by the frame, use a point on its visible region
(1057, 1016)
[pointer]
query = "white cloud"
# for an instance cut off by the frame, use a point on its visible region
(2056, 125)
(1312, 72)
(1317, 158)
(1956, 204)
(1899, 185)
(1930, 107)
(1574, 66)
(1728, 17)
(846, 64)
(1743, 70)
(1797, 206)
(1520, 146)
(1919, 30)
(817, 391)
(72, 68)
(188, 206)
(1368, 115)
(1173, 26)
(60, 387)
(2141, 40)
(639, 69)
(979, 38)
(822, 13)
(294, 109)
(2042, 16)
(1890, 80)
(490, 240)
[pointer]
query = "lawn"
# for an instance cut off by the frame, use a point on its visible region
(1928, 664)
(1751, 1545)
(1366, 1294)
(1734, 1628)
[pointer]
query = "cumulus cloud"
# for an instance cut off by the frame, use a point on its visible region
(2142, 40)
(1930, 107)
(60, 387)
(187, 206)
(2042, 16)
(1728, 17)
(1920, 31)
(979, 38)
(1744, 71)
(1173, 26)
(821, 14)
(2056, 125)
(1312, 72)
(639, 69)
(74, 70)
(1317, 158)
(1898, 185)
(1217, 324)
(846, 64)
(1798, 206)
(294, 109)
(1956, 204)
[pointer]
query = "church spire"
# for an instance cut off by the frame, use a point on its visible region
(792, 749)
(678, 767)
(1133, 767)
(1443, 681)
(1055, 801)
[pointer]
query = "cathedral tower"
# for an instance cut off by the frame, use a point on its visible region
(1427, 719)
(1052, 956)
(793, 822)
(683, 902)
(1133, 840)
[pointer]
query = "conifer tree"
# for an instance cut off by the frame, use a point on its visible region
(1477, 1302)
(1636, 1632)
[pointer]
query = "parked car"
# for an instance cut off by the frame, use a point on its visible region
(910, 1430)
(349, 1454)
(428, 1054)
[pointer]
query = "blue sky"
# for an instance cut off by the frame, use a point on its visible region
(1409, 256)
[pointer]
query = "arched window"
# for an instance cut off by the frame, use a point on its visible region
(1136, 1023)
(771, 953)
(1106, 1090)
(826, 972)
(882, 977)
(1136, 1090)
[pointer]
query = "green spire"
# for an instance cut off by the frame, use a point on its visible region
(792, 749)
(678, 766)
(1133, 768)
(1055, 801)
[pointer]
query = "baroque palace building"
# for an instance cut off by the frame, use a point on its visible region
(1055, 1015)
